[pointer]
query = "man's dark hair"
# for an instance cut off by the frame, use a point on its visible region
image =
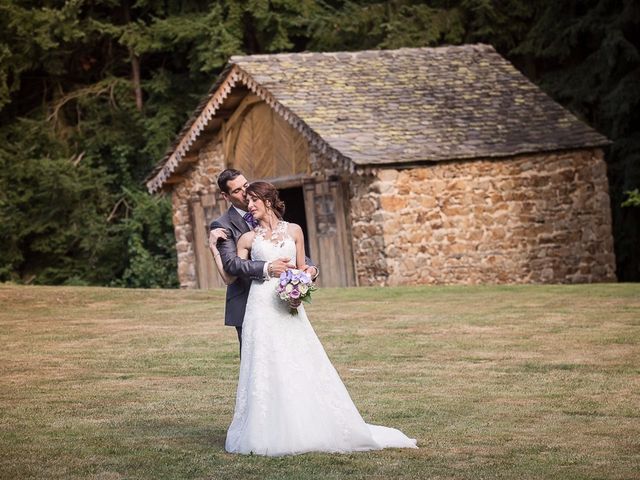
(226, 176)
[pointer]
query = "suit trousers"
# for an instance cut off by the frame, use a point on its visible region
(239, 331)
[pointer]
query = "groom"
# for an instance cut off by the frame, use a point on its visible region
(237, 221)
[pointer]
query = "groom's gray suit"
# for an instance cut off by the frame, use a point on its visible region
(244, 270)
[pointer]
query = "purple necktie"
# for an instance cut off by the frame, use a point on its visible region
(250, 220)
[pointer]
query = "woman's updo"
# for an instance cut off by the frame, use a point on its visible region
(268, 194)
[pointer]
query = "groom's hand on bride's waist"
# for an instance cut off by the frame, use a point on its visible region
(276, 267)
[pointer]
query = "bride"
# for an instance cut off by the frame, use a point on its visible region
(290, 398)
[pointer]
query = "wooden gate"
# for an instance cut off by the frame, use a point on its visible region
(326, 206)
(204, 209)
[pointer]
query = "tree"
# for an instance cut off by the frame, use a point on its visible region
(586, 55)
(91, 94)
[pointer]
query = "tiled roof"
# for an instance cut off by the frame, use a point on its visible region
(382, 107)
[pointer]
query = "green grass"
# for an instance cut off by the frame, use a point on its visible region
(494, 381)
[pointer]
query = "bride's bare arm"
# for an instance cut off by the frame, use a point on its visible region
(215, 235)
(244, 244)
(302, 262)
(243, 248)
(233, 264)
(296, 233)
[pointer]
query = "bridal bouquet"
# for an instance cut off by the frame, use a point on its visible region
(295, 286)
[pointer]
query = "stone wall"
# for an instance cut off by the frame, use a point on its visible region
(199, 181)
(367, 231)
(530, 219)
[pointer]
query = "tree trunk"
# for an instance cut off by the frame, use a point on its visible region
(135, 70)
(135, 62)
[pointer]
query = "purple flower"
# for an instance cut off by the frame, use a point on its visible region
(294, 285)
(295, 293)
(305, 278)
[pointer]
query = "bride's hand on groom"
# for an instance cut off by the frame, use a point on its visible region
(215, 235)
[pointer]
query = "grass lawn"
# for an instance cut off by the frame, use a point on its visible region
(503, 382)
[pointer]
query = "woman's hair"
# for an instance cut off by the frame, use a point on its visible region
(267, 193)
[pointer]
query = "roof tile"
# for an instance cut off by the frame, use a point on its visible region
(413, 104)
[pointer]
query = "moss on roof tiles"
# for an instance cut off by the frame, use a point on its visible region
(419, 104)
(474, 102)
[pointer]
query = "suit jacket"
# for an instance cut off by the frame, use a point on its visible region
(244, 270)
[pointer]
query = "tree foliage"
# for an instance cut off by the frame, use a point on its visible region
(93, 91)
(586, 55)
(633, 198)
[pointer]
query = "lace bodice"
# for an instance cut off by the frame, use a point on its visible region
(278, 244)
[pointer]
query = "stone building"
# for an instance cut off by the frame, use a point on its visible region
(428, 165)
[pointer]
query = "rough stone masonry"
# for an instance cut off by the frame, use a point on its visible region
(542, 218)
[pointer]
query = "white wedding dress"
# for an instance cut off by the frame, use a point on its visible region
(290, 398)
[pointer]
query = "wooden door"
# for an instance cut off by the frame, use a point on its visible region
(204, 209)
(261, 144)
(326, 205)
